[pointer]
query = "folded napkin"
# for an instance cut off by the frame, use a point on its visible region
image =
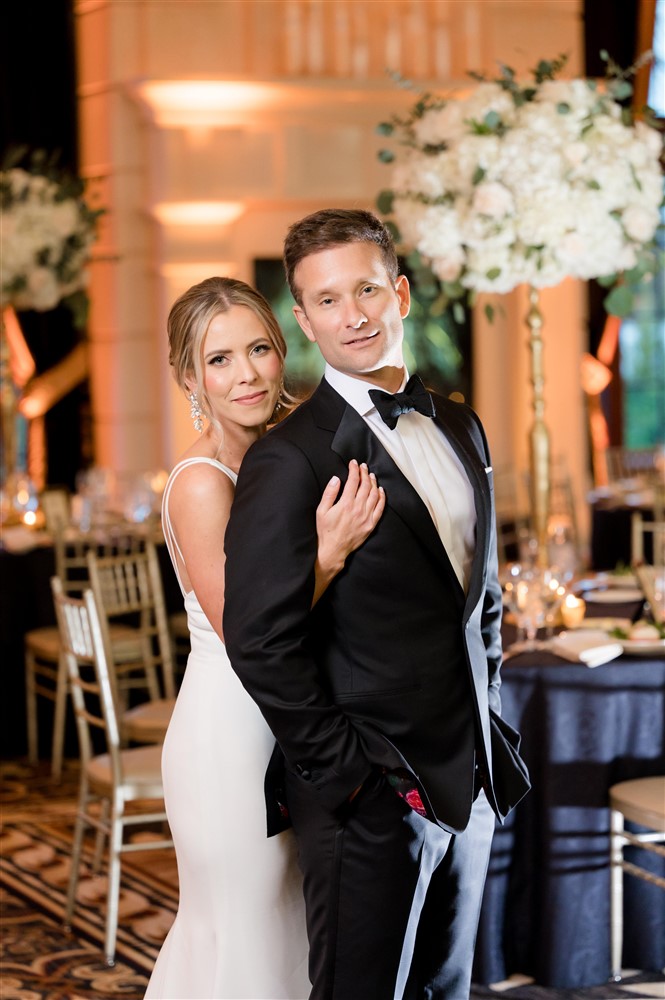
(589, 646)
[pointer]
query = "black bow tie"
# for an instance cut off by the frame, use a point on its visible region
(414, 397)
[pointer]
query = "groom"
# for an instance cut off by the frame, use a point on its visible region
(392, 757)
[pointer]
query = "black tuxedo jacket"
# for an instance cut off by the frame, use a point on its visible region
(395, 666)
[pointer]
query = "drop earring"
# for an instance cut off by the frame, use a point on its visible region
(195, 411)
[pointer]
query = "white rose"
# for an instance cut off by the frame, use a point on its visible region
(493, 199)
(44, 289)
(650, 137)
(575, 153)
(440, 124)
(640, 222)
(65, 217)
(449, 266)
(626, 260)
(572, 247)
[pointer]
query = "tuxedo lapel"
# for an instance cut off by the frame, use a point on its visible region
(353, 439)
(468, 453)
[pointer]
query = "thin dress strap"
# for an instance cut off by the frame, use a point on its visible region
(167, 527)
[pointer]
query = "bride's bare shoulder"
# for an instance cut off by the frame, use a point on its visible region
(200, 482)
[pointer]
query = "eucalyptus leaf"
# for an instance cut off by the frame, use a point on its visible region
(620, 89)
(620, 301)
(394, 231)
(458, 313)
(384, 201)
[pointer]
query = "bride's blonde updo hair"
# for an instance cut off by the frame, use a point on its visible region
(188, 323)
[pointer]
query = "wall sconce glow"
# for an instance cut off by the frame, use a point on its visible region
(186, 273)
(198, 213)
(192, 103)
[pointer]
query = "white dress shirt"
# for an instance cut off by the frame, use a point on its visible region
(426, 458)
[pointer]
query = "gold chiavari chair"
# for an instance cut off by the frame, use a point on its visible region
(45, 671)
(129, 586)
(111, 780)
(640, 801)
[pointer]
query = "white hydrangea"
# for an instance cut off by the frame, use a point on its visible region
(494, 191)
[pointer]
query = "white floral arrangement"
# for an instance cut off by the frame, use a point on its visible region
(527, 182)
(45, 239)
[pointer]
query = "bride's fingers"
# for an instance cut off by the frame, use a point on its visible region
(352, 482)
(329, 496)
(372, 495)
(379, 507)
(365, 485)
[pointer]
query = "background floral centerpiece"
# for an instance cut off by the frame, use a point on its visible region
(45, 239)
(528, 182)
(46, 234)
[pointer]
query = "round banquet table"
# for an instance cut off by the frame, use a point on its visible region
(546, 905)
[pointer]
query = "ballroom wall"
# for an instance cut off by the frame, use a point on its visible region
(265, 111)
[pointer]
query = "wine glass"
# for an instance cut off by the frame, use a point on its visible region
(509, 575)
(562, 551)
(553, 593)
(524, 595)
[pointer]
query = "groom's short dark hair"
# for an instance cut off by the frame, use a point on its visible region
(333, 227)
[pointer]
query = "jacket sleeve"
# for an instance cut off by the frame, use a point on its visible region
(270, 549)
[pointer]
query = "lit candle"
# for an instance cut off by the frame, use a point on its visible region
(572, 611)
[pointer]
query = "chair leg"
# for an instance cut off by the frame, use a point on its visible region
(113, 897)
(58, 745)
(100, 837)
(76, 857)
(149, 670)
(616, 893)
(31, 707)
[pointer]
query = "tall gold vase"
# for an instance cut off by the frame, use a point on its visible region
(539, 438)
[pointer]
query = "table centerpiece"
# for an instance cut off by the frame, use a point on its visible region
(528, 182)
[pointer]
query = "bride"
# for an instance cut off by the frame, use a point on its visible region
(240, 927)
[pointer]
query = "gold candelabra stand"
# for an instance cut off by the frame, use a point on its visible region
(539, 438)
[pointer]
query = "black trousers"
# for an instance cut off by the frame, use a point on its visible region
(392, 900)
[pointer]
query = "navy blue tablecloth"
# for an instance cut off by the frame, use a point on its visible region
(546, 905)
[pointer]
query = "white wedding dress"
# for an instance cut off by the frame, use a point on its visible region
(239, 933)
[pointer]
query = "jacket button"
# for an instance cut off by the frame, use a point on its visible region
(303, 772)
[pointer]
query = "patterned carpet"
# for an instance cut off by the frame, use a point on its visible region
(42, 961)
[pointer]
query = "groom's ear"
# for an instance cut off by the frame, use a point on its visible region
(303, 323)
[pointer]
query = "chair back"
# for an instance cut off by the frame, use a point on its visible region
(87, 658)
(645, 464)
(56, 508)
(129, 586)
(647, 557)
(71, 549)
(647, 541)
